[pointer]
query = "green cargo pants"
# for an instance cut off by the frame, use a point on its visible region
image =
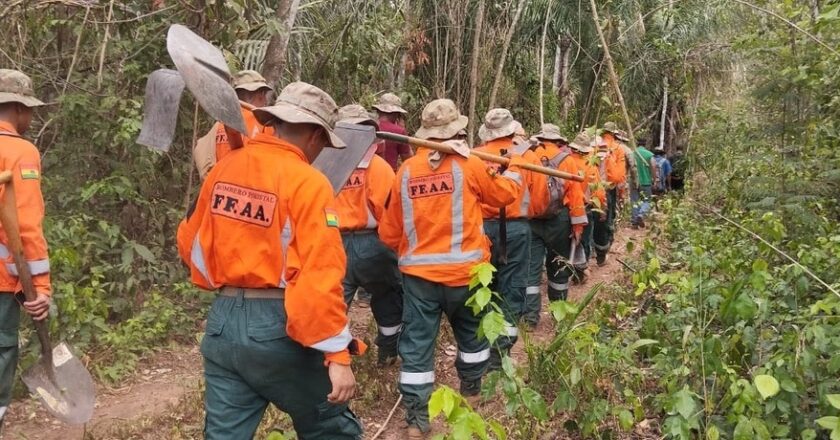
(9, 323)
(424, 302)
(511, 277)
(556, 233)
(249, 362)
(612, 213)
(536, 267)
(599, 236)
(373, 266)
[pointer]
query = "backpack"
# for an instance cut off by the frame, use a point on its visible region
(555, 184)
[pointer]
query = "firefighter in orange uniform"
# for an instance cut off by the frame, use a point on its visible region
(17, 101)
(510, 257)
(264, 234)
(558, 214)
(434, 222)
(598, 229)
(370, 264)
(252, 89)
(616, 167)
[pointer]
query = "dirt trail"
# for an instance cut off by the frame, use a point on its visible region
(152, 403)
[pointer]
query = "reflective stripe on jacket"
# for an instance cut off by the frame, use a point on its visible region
(434, 219)
(265, 218)
(520, 207)
(361, 202)
(24, 161)
(574, 192)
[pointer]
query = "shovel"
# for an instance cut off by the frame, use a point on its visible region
(160, 116)
(58, 378)
(338, 164)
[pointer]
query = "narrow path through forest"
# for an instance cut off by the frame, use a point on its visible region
(163, 399)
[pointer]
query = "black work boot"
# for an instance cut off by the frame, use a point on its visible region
(601, 259)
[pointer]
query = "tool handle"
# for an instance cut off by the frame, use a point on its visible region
(443, 148)
(11, 225)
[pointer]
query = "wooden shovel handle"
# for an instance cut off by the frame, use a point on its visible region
(443, 148)
(11, 225)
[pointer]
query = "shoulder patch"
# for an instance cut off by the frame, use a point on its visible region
(331, 217)
(29, 171)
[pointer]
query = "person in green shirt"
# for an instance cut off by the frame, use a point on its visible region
(641, 195)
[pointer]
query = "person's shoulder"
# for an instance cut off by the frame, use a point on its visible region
(18, 147)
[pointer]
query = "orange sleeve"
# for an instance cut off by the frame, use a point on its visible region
(189, 226)
(315, 268)
(574, 196)
(391, 224)
(26, 175)
(493, 189)
(380, 181)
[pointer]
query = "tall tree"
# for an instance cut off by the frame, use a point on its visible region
(275, 54)
(500, 68)
(479, 23)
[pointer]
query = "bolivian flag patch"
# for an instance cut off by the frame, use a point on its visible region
(332, 218)
(29, 171)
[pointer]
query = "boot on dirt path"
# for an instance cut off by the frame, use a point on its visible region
(414, 433)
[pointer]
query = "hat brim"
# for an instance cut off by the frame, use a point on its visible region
(28, 101)
(361, 121)
(447, 131)
(551, 137)
(487, 134)
(293, 114)
(389, 108)
(581, 148)
(254, 86)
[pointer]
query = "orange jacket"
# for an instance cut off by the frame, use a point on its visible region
(361, 202)
(434, 220)
(616, 164)
(574, 193)
(519, 208)
(252, 127)
(265, 219)
(24, 161)
(593, 188)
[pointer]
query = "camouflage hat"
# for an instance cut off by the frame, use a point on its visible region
(17, 87)
(622, 136)
(250, 80)
(302, 103)
(498, 123)
(611, 127)
(582, 143)
(551, 132)
(441, 120)
(356, 114)
(389, 103)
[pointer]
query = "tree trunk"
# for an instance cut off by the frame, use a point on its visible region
(611, 71)
(500, 68)
(542, 62)
(558, 67)
(275, 54)
(565, 46)
(664, 113)
(479, 22)
(404, 57)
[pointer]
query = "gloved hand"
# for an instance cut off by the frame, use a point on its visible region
(577, 231)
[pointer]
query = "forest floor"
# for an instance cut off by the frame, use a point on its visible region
(163, 400)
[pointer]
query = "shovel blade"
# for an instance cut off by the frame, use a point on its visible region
(164, 88)
(205, 72)
(339, 164)
(71, 397)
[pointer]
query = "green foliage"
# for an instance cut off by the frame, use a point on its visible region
(463, 421)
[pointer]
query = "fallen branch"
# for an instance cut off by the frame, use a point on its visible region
(387, 419)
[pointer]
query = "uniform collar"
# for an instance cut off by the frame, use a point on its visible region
(8, 128)
(273, 141)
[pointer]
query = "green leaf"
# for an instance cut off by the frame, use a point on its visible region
(828, 422)
(684, 404)
(144, 252)
(574, 376)
(808, 434)
(275, 435)
(743, 430)
(498, 429)
(834, 400)
(625, 419)
(483, 296)
(767, 385)
(492, 326)
(484, 273)
(643, 342)
(712, 433)
(561, 309)
(535, 403)
(436, 402)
